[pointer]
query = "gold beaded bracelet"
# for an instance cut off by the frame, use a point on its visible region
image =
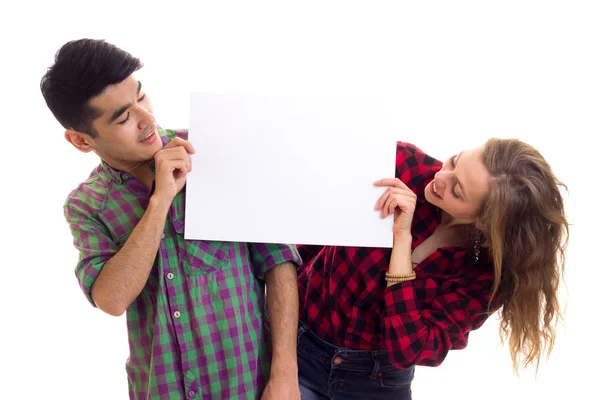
(408, 278)
(400, 278)
(396, 276)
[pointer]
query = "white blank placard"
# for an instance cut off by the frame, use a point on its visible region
(298, 170)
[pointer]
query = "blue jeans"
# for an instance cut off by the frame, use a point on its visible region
(334, 373)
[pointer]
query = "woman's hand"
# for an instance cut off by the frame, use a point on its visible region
(398, 200)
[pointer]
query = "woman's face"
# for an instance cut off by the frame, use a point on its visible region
(461, 186)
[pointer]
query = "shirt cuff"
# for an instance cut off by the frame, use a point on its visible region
(87, 275)
(268, 256)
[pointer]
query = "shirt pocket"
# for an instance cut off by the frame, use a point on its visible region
(200, 257)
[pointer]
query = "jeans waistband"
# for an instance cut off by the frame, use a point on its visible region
(344, 356)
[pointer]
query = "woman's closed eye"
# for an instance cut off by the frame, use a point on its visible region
(456, 196)
(453, 161)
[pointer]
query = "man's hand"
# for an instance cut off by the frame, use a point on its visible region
(172, 164)
(282, 389)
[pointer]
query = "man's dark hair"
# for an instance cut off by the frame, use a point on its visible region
(82, 70)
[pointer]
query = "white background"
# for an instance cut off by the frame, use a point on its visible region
(465, 71)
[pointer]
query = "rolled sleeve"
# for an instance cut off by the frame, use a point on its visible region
(266, 256)
(423, 334)
(94, 245)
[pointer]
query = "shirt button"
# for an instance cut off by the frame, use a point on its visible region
(191, 394)
(350, 337)
(170, 276)
(177, 314)
(360, 304)
(415, 238)
(337, 360)
(162, 236)
(125, 177)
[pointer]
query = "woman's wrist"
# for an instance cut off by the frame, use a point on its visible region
(401, 260)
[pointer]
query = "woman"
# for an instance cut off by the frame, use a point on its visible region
(483, 231)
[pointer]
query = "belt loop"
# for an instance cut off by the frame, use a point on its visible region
(376, 366)
(301, 329)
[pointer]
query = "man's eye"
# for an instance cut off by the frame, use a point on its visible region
(125, 120)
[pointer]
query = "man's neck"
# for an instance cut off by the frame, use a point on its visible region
(140, 170)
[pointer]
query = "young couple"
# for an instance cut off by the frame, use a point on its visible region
(483, 231)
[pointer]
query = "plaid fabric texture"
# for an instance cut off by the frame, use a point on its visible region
(196, 330)
(345, 300)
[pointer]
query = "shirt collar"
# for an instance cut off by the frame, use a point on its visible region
(114, 174)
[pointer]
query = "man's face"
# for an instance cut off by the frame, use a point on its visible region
(126, 128)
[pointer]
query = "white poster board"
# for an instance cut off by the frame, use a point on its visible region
(296, 170)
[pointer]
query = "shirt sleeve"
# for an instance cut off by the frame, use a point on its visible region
(417, 333)
(414, 167)
(94, 245)
(265, 256)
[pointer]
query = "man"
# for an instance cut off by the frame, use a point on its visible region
(194, 308)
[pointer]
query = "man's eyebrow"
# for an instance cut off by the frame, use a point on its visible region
(121, 110)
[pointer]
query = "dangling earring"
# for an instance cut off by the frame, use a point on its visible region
(476, 243)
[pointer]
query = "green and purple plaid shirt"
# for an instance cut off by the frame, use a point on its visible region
(196, 330)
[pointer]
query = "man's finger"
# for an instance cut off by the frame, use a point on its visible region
(181, 142)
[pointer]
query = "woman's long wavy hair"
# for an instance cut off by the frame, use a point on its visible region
(526, 233)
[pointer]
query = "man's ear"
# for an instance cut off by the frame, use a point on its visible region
(81, 141)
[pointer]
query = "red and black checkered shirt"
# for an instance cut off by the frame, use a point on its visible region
(345, 300)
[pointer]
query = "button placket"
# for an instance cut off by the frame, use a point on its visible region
(171, 270)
